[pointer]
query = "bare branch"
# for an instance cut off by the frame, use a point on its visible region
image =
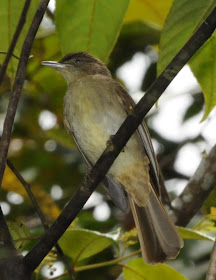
(27, 187)
(18, 84)
(1, 52)
(9, 120)
(97, 173)
(5, 236)
(19, 28)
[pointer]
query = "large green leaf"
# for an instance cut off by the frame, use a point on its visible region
(92, 26)
(81, 244)
(187, 233)
(10, 12)
(136, 269)
(148, 11)
(203, 65)
(20, 233)
(178, 28)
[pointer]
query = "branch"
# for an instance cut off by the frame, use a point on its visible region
(18, 84)
(5, 236)
(197, 190)
(9, 119)
(27, 187)
(15, 56)
(15, 39)
(98, 171)
(100, 264)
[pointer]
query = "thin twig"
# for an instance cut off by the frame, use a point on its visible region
(15, 56)
(101, 264)
(98, 171)
(3, 154)
(18, 84)
(13, 103)
(107, 263)
(27, 187)
(19, 28)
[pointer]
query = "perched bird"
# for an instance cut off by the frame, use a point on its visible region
(95, 106)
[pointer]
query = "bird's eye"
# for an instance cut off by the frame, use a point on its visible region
(77, 60)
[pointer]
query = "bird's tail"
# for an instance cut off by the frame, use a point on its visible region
(159, 239)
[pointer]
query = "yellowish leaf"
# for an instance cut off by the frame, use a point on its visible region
(154, 12)
(11, 183)
(46, 203)
(213, 211)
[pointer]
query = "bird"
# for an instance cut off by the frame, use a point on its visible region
(95, 106)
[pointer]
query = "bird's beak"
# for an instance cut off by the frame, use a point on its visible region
(53, 64)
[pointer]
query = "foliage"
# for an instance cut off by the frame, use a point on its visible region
(177, 30)
(135, 269)
(46, 155)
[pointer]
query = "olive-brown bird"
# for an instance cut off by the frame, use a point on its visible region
(95, 106)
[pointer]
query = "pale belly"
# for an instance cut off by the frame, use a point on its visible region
(93, 125)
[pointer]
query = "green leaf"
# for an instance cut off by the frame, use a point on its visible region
(136, 269)
(178, 29)
(9, 16)
(152, 12)
(92, 26)
(180, 26)
(203, 65)
(81, 244)
(194, 234)
(20, 233)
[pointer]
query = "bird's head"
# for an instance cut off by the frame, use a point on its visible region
(75, 65)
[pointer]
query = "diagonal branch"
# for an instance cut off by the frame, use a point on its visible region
(97, 173)
(14, 99)
(27, 187)
(19, 28)
(3, 154)
(18, 84)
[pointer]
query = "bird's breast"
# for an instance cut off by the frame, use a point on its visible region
(93, 116)
(93, 113)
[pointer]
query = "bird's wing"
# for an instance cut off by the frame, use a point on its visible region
(128, 103)
(158, 237)
(115, 190)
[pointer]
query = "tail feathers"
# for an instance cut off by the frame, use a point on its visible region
(157, 234)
